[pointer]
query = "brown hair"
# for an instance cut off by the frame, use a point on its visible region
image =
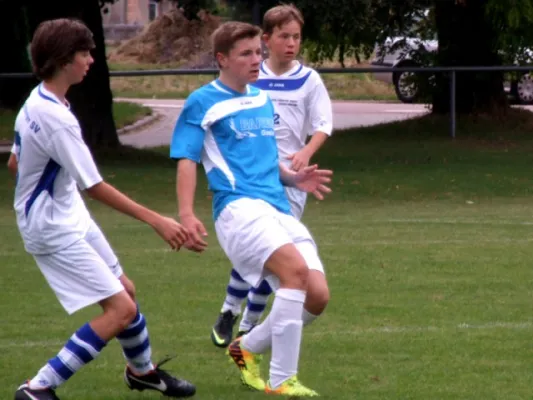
(55, 42)
(281, 15)
(227, 34)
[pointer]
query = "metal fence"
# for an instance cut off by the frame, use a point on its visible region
(212, 71)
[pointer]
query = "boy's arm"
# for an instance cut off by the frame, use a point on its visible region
(185, 191)
(170, 230)
(71, 153)
(320, 113)
(12, 165)
(186, 148)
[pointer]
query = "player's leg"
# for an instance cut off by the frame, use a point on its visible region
(255, 306)
(236, 292)
(258, 296)
(317, 286)
(140, 372)
(79, 277)
(251, 235)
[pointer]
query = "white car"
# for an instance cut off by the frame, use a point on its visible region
(399, 51)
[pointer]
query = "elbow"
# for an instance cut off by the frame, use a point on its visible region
(12, 165)
(94, 190)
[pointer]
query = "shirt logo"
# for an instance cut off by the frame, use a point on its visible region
(239, 135)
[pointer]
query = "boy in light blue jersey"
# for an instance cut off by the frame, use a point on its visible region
(302, 109)
(228, 126)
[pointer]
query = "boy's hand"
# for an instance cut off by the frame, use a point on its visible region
(171, 231)
(299, 160)
(197, 232)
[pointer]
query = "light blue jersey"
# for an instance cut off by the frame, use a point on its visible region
(232, 135)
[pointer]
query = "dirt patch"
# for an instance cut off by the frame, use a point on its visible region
(171, 38)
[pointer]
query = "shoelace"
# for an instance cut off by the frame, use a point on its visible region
(227, 321)
(164, 374)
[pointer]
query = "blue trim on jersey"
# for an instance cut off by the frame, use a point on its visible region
(263, 69)
(280, 84)
(44, 96)
(298, 71)
(18, 140)
(46, 182)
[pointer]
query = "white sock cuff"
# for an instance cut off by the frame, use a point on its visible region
(307, 317)
(291, 294)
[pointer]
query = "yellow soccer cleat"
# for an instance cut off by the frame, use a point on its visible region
(291, 387)
(248, 364)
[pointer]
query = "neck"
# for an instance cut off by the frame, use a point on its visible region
(232, 83)
(280, 67)
(58, 88)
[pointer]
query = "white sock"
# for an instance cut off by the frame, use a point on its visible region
(286, 320)
(259, 339)
(307, 317)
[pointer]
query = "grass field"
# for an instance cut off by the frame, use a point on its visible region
(360, 86)
(124, 113)
(427, 244)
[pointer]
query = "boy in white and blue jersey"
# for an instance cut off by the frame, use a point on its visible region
(52, 162)
(228, 126)
(302, 109)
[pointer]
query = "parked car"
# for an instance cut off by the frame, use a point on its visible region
(399, 51)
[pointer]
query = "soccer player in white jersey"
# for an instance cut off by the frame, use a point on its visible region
(303, 108)
(228, 126)
(52, 161)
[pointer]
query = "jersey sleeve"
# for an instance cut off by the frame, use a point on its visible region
(69, 150)
(320, 108)
(188, 137)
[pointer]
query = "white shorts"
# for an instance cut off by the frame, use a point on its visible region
(84, 273)
(297, 200)
(250, 230)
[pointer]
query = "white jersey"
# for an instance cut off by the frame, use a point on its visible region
(52, 161)
(302, 106)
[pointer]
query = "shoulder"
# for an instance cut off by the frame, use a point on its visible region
(205, 97)
(311, 75)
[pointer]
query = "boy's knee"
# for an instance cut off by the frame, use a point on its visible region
(318, 294)
(296, 277)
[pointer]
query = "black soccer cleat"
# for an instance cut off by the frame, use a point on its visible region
(25, 393)
(222, 333)
(160, 381)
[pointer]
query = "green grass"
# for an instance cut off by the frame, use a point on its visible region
(340, 86)
(427, 247)
(125, 113)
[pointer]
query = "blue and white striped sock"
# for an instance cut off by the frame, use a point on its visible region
(135, 344)
(257, 301)
(236, 293)
(82, 347)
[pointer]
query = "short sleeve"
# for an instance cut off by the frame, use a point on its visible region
(320, 109)
(188, 136)
(68, 149)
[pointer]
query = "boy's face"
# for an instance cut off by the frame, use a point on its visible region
(243, 60)
(284, 42)
(78, 67)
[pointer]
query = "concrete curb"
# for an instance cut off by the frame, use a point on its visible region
(139, 124)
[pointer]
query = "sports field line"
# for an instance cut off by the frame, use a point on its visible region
(385, 330)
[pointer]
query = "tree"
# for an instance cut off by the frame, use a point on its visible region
(341, 28)
(13, 25)
(91, 101)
